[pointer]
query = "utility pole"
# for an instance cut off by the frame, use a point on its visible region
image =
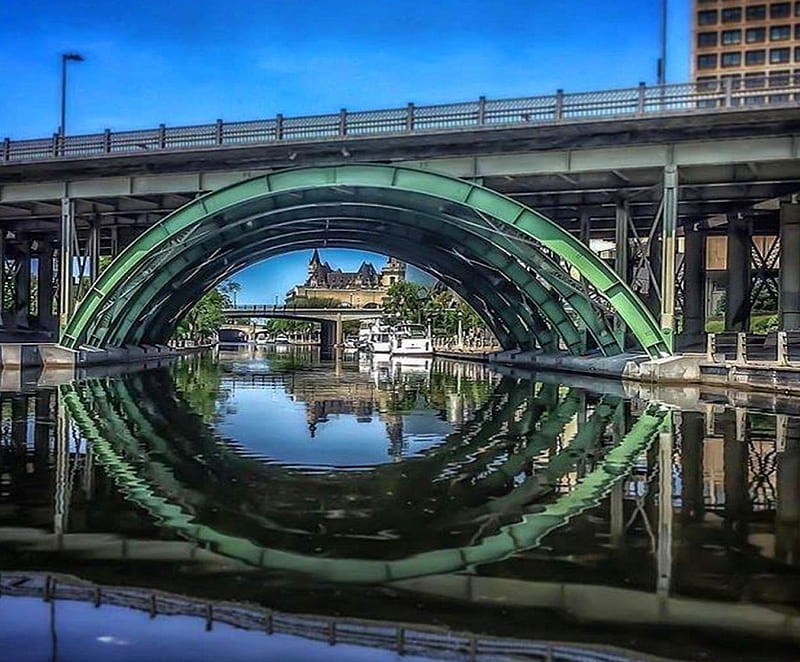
(66, 57)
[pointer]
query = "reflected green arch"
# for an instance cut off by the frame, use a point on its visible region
(95, 320)
(510, 539)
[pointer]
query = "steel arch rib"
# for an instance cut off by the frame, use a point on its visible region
(440, 260)
(512, 329)
(539, 297)
(502, 209)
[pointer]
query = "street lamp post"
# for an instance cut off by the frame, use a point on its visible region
(65, 57)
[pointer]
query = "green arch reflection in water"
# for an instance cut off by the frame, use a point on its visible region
(84, 399)
(144, 292)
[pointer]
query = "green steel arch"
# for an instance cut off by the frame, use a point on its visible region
(439, 223)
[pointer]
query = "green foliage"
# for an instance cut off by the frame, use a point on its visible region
(200, 324)
(437, 307)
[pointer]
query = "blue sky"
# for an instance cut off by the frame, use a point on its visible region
(186, 62)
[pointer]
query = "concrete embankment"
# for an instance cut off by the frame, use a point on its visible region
(678, 370)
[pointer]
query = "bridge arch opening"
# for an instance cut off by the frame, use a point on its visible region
(534, 284)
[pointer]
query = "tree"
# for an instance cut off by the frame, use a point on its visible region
(404, 302)
(230, 288)
(200, 324)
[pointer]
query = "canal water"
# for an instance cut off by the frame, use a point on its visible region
(262, 503)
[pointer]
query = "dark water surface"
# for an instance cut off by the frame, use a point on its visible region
(265, 505)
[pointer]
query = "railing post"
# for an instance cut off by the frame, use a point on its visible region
(55, 144)
(279, 126)
(558, 112)
(6, 149)
(343, 122)
(728, 89)
(481, 110)
(641, 99)
(783, 348)
(711, 346)
(410, 117)
(218, 133)
(741, 347)
(162, 136)
(107, 141)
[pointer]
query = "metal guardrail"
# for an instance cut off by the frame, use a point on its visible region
(258, 309)
(780, 347)
(405, 639)
(773, 91)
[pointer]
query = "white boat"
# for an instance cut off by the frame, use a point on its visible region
(281, 339)
(376, 339)
(410, 340)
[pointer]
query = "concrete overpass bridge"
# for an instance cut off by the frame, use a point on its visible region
(330, 319)
(501, 199)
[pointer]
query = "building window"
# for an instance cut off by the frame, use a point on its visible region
(732, 15)
(754, 80)
(706, 83)
(755, 35)
(731, 37)
(797, 8)
(732, 59)
(707, 17)
(755, 57)
(780, 32)
(779, 55)
(705, 39)
(756, 13)
(797, 31)
(779, 78)
(780, 10)
(707, 61)
(797, 53)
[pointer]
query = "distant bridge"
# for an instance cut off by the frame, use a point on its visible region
(261, 311)
(330, 319)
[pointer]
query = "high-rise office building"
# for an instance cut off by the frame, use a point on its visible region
(744, 41)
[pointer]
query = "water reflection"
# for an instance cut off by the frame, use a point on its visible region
(444, 480)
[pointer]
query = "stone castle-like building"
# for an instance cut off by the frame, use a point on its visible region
(365, 287)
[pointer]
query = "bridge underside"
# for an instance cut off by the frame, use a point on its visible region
(535, 285)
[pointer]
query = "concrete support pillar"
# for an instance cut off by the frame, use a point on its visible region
(621, 260)
(789, 304)
(693, 427)
(65, 298)
(47, 319)
(94, 249)
(585, 226)
(22, 286)
(19, 422)
(42, 428)
(694, 288)
(737, 503)
(737, 311)
(669, 249)
(339, 331)
(665, 510)
(787, 515)
(327, 336)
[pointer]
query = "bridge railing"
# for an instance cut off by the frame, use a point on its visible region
(768, 91)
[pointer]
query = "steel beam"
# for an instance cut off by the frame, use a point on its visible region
(694, 285)
(737, 311)
(66, 255)
(669, 250)
(789, 304)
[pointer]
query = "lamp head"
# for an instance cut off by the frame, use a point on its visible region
(77, 57)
